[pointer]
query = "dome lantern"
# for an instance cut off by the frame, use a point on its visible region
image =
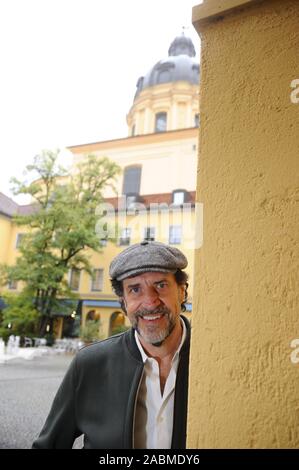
(181, 45)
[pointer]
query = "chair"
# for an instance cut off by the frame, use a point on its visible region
(27, 342)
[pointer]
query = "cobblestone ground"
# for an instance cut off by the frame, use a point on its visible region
(27, 389)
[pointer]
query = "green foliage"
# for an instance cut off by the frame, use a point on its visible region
(61, 227)
(119, 329)
(20, 314)
(5, 334)
(90, 332)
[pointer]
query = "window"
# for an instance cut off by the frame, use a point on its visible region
(75, 279)
(132, 177)
(161, 122)
(164, 72)
(125, 236)
(175, 234)
(196, 120)
(149, 234)
(178, 197)
(97, 280)
(132, 202)
(12, 285)
(164, 76)
(20, 238)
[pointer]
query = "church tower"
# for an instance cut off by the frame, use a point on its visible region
(166, 98)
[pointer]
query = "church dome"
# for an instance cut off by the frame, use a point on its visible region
(180, 65)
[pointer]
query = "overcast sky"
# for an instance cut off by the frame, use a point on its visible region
(69, 70)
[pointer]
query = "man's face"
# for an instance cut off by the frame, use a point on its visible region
(153, 303)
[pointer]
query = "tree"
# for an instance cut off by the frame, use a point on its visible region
(19, 317)
(61, 226)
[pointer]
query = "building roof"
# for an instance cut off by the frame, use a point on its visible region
(180, 65)
(10, 208)
(148, 199)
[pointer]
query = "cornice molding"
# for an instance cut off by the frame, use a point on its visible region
(143, 139)
(211, 9)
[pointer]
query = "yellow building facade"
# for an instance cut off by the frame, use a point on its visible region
(244, 377)
(155, 193)
(10, 234)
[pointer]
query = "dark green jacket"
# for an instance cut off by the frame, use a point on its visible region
(98, 394)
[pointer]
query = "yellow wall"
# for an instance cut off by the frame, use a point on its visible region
(168, 161)
(5, 237)
(244, 389)
(8, 240)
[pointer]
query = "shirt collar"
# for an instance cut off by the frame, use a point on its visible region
(145, 357)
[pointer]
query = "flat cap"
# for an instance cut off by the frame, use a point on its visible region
(146, 257)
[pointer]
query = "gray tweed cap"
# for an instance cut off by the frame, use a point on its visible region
(146, 257)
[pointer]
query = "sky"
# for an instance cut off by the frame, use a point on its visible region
(69, 70)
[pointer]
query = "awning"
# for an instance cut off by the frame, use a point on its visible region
(101, 303)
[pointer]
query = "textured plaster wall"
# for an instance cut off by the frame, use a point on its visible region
(244, 389)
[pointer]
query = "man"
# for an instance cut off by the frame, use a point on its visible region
(130, 390)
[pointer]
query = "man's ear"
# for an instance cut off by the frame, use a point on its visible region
(182, 290)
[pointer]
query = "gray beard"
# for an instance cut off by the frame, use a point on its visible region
(152, 335)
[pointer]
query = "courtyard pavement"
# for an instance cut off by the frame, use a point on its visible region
(27, 389)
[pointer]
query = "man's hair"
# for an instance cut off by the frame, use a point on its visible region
(181, 278)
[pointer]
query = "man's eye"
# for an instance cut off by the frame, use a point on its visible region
(135, 290)
(161, 285)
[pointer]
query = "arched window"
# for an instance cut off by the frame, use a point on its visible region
(92, 315)
(161, 122)
(117, 323)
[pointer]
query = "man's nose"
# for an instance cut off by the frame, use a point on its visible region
(150, 298)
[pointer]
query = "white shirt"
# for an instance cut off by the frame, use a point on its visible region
(154, 412)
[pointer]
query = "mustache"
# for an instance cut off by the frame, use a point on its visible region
(158, 310)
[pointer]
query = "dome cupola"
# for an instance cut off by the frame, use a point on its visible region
(180, 65)
(168, 92)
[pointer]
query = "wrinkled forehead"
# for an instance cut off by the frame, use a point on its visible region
(148, 277)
